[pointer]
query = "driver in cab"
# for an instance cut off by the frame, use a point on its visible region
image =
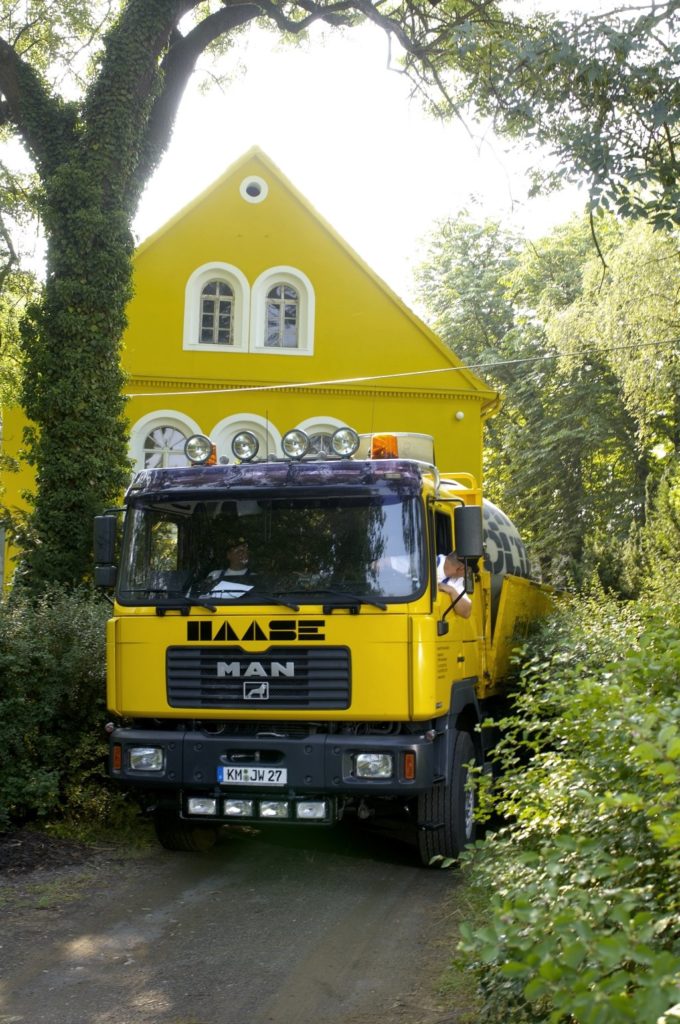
(451, 580)
(221, 581)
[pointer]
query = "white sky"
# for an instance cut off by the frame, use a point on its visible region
(343, 129)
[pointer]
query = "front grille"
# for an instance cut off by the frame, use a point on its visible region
(280, 677)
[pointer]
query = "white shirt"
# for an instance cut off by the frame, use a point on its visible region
(457, 582)
(225, 587)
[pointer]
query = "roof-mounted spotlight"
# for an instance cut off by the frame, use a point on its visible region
(199, 450)
(245, 446)
(345, 442)
(295, 444)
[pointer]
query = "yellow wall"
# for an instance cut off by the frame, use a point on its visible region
(361, 328)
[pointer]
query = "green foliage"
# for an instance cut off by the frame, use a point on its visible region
(562, 456)
(600, 90)
(464, 280)
(13, 300)
(55, 33)
(52, 742)
(583, 880)
(18, 288)
(652, 560)
(628, 315)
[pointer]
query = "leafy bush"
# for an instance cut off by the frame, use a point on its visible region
(583, 881)
(52, 705)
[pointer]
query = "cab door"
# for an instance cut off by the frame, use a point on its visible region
(465, 636)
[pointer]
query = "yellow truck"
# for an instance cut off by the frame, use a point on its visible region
(284, 646)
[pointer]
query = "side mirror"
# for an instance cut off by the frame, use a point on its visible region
(105, 576)
(105, 529)
(467, 523)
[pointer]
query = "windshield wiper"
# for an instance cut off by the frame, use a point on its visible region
(183, 604)
(224, 593)
(273, 599)
(347, 600)
(166, 600)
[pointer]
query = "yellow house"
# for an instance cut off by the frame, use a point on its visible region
(250, 312)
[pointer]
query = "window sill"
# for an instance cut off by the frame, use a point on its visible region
(189, 347)
(272, 350)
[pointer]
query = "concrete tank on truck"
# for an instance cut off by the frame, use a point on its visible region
(291, 644)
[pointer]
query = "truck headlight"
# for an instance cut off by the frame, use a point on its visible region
(311, 810)
(146, 759)
(373, 766)
(345, 442)
(234, 808)
(198, 449)
(274, 809)
(245, 446)
(201, 805)
(295, 444)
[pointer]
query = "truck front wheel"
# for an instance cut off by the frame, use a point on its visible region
(446, 822)
(185, 836)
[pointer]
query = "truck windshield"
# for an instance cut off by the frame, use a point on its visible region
(366, 548)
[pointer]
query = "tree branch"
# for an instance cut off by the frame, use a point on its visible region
(596, 243)
(28, 106)
(183, 52)
(177, 67)
(12, 259)
(118, 106)
(338, 13)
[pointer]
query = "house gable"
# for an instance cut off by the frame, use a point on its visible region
(354, 325)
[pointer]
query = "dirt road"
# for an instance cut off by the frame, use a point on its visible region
(273, 927)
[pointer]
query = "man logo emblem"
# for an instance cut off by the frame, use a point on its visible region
(253, 690)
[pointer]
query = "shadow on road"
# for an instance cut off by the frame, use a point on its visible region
(374, 841)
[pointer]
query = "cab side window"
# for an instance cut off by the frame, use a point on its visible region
(443, 533)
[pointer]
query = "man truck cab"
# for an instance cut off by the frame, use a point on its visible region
(327, 676)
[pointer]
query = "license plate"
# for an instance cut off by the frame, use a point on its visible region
(252, 775)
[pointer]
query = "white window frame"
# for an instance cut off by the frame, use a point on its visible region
(193, 292)
(225, 430)
(160, 418)
(213, 301)
(282, 298)
(306, 311)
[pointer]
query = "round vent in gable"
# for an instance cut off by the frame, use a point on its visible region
(254, 189)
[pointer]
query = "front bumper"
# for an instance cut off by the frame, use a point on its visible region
(316, 766)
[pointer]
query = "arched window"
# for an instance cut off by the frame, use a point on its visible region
(164, 447)
(217, 314)
(157, 439)
(217, 309)
(282, 313)
(283, 316)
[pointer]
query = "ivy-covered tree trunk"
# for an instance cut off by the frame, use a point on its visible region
(73, 381)
(93, 170)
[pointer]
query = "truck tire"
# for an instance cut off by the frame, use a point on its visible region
(184, 836)
(446, 821)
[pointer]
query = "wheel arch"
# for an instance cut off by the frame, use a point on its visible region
(465, 714)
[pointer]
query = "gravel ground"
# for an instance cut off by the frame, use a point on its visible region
(272, 927)
(27, 850)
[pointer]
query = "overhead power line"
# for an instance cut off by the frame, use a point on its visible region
(473, 367)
